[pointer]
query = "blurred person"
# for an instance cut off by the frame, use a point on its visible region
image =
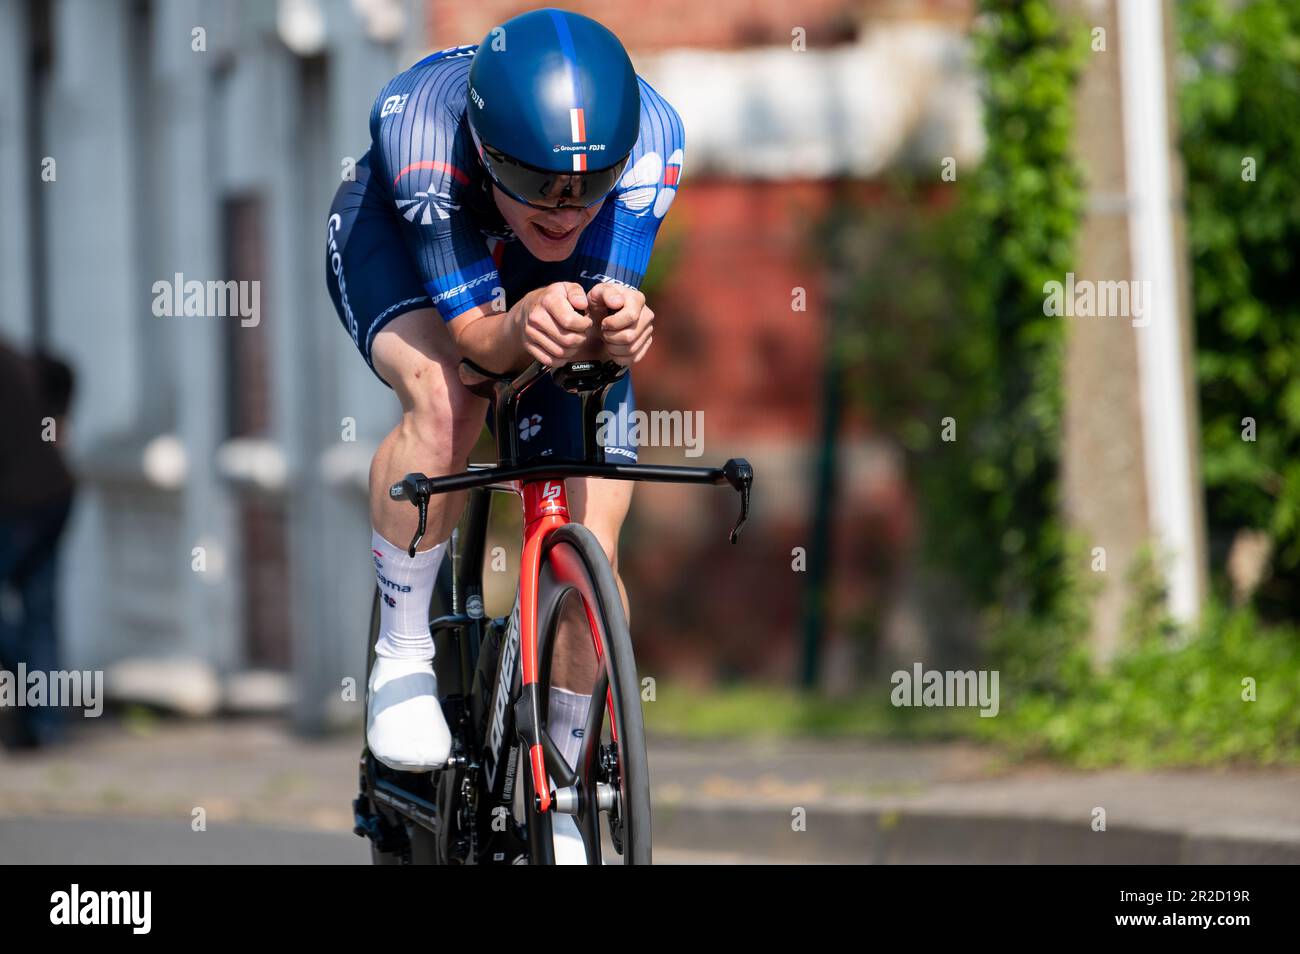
(504, 212)
(36, 490)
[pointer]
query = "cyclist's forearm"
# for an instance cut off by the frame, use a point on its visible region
(492, 340)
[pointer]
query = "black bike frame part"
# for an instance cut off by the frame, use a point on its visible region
(589, 379)
(419, 810)
(469, 570)
(469, 578)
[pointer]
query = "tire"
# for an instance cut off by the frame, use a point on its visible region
(573, 562)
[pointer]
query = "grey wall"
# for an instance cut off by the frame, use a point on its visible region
(150, 138)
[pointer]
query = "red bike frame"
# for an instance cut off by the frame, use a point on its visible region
(546, 508)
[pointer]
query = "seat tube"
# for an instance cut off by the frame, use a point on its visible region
(467, 580)
(469, 568)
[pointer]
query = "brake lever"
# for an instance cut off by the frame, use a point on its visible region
(413, 487)
(741, 476)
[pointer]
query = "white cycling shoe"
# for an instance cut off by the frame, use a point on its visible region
(405, 727)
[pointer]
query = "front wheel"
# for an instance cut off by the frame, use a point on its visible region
(610, 779)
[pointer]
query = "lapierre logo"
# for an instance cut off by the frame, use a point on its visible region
(599, 277)
(76, 907)
(505, 680)
(463, 287)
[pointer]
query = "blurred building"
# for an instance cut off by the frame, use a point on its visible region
(202, 139)
(224, 462)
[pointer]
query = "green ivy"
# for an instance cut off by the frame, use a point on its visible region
(1228, 695)
(945, 330)
(1240, 104)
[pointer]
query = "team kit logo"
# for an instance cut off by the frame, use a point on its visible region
(430, 201)
(424, 205)
(649, 186)
(578, 144)
(529, 426)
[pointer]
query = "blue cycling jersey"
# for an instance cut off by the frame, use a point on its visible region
(424, 158)
(417, 227)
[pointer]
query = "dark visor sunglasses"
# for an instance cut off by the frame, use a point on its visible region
(545, 189)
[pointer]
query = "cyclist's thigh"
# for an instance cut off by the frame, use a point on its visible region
(416, 356)
(371, 278)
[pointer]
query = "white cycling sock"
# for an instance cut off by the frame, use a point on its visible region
(565, 717)
(405, 588)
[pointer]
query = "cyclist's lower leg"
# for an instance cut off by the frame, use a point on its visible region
(440, 420)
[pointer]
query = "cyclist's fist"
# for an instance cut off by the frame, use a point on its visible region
(627, 323)
(553, 328)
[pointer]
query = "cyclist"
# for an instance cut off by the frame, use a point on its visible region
(504, 212)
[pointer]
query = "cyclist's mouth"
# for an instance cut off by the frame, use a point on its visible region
(554, 235)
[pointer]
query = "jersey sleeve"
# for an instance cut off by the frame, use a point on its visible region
(616, 246)
(423, 152)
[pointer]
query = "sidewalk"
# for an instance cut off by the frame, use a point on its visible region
(861, 802)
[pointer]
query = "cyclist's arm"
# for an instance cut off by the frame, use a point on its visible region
(616, 247)
(422, 162)
(543, 325)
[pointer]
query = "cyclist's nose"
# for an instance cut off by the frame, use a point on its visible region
(563, 220)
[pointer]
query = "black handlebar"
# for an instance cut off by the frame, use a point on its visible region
(590, 380)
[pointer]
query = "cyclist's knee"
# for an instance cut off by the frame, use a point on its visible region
(602, 506)
(607, 537)
(438, 413)
(467, 418)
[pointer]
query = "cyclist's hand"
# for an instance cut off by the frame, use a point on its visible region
(627, 323)
(553, 329)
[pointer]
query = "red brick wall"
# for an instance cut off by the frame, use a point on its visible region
(728, 342)
(718, 24)
(727, 339)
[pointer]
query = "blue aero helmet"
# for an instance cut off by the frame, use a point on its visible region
(554, 108)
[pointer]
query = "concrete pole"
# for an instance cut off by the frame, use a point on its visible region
(1169, 416)
(188, 227)
(1131, 449)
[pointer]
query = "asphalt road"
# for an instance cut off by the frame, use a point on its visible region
(137, 841)
(128, 789)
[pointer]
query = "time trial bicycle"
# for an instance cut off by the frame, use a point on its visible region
(506, 779)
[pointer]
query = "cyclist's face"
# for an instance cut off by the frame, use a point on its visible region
(549, 235)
